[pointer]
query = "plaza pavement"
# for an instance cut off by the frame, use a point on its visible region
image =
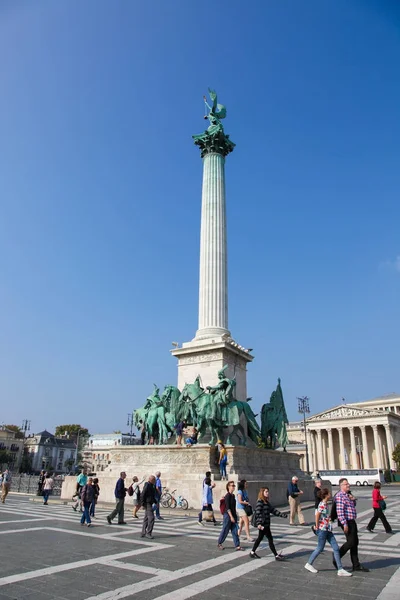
(45, 554)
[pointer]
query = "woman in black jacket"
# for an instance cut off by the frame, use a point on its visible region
(262, 518)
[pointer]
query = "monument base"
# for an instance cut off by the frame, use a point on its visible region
(205, 357)
(183, 469)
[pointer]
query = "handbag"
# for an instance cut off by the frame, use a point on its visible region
(382, 504)
(248, 509)
(207, 515)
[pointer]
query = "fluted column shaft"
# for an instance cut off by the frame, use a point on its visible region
(354, 462)
(341, 448)
(213, 288)
(377, 444)
(365, 453)
(331, 454)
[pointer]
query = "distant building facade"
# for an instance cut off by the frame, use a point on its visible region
(50, 453)
(96, 456)
(13, 445)
(359, 435)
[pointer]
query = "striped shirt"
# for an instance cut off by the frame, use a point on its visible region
(345, 508)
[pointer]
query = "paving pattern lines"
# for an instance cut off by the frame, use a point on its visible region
(78, 564)
(247, 567)
(391, 591)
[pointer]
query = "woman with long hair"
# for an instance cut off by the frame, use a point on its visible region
(230, 518)
(263, 512)
(323, 525)
(242, 501)
(377, 501)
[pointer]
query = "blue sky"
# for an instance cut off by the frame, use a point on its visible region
(100, 190)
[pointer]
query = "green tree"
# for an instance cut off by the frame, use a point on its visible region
(6, 458)
(18, 431)
(26, 462)
(396, 455)
(71, 430)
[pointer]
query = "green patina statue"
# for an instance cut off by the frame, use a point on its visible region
(213, 410)
(214, 139)
(274, 420)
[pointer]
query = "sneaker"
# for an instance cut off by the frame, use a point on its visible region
(74, 508)
(220, 547)
(151, 537)
(239, 549)
(249, 540)
(200, 523)
(310, 568)
(135, 517)
(369, 529)
(344, 573)
(254, 555)
(109, 520)
(279, 557)
(89, 524)
(361, 568)
(122, 523)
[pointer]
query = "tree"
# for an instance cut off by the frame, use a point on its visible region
(18, 431)
(26, 462)
(71, 430)
(6, 458)
(396, 455)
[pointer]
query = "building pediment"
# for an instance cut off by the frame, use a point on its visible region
(344, 412)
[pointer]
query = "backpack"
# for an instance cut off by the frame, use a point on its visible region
(222, 506)
(253, 519)
(130, 490)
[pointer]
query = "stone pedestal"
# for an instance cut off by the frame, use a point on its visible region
(207, 357)
(184, 469)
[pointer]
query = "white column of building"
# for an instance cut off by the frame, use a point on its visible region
(341, 448)
(320, 464)
(331, 454)
(365, 453)
(324, 453)
(389, 445)
(354, 461)
(377, 444)
(310, 450)
(213, 287)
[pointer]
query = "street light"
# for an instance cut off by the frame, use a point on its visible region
(130, 424)
(304, 408)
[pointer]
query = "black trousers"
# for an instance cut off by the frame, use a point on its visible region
(351, 543)
(267, 533)
(379, 514)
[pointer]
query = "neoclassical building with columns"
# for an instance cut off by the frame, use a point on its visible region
(360, 435)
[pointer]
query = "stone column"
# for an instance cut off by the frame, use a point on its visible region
(389, 445)
(354, 459)
(213, 288)
(378, 450)
(365, 453)
(319, 450)
(324, 452)
(341, 448)
(310, 450)
(331, 454)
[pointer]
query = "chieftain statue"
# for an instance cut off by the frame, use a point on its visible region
(274, 420)
(214, 139)
(213, 410)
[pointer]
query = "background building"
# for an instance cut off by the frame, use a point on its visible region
(51, 453)
(350, 436)
(12, 446)
(96, 456)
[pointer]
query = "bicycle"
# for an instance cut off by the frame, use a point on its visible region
(180, 501)
(165, 498)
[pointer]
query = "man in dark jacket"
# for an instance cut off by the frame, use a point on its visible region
(148, 498)
(293, 495)
(317, 489)
(120, 493)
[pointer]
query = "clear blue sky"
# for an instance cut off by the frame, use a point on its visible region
(100, 189)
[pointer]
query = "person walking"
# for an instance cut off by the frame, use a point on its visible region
(243, 505)
(293, 494)
(119, 493)
(81, 480)
(347, 514)
(6, 485)
(41, 482)
(262, 519)
(135, 486)
(230, 518)
(207, 500)
(87, 497)
(47, 487)
(377, 502)
(96, 494)
(158, 496)
(223, 461)
(148, 498)
(323, 525)
(179, 432)
(317, 493)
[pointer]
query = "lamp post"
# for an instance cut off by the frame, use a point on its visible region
(130, 424)
(304, 408)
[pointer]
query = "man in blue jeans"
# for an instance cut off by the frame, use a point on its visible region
(158, 496)
(120, 493)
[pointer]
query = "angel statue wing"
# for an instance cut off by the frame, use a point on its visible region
(219, 110)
